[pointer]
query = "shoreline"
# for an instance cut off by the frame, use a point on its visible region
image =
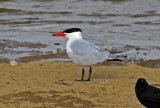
(62, 56)
(25, 51)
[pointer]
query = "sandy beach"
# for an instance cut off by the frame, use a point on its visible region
(52, 84)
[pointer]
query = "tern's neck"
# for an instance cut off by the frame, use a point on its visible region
(75, 35)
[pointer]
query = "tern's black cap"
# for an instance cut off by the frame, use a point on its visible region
(71, 30)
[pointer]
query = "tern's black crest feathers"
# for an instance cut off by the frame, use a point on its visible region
(71, 30)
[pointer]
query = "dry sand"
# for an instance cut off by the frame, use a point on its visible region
(51, 84)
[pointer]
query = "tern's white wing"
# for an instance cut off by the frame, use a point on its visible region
(86, 53)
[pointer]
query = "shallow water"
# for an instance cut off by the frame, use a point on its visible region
(107, 23)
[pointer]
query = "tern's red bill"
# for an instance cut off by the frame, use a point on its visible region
(59, 34)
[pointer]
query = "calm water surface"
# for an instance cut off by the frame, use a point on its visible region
(107, 23)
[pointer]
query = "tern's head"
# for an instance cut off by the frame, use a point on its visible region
(141, 82)
(70, 33)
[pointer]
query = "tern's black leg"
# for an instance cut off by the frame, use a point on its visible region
(90, 71)
(82, 74)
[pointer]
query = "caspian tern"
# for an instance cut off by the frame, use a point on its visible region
(80, 51)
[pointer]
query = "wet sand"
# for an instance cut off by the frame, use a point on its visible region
(49, 84)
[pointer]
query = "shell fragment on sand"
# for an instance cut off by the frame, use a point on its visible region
(13, 63)
(104, 82)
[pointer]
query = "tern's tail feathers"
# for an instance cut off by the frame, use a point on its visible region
(115, 55)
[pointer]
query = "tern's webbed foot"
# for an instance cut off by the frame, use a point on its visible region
(88, 80)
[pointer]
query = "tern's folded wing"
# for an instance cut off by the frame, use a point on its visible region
(88, 51)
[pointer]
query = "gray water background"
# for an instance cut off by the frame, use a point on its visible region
(107, 23)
